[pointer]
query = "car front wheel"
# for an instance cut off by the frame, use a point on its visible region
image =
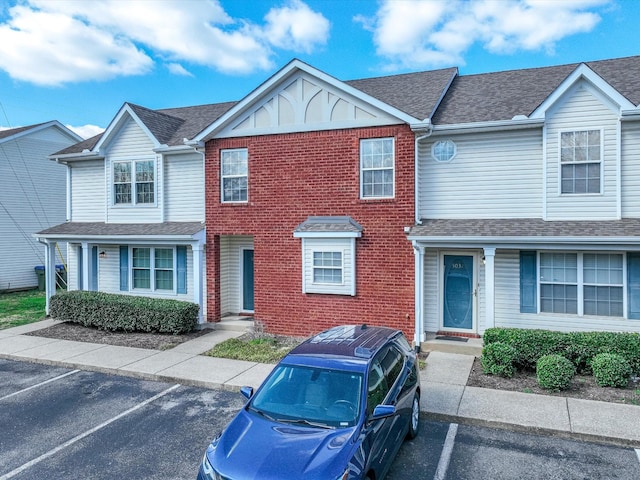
(415, 417)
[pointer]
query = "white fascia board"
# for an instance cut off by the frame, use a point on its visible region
(121, 239)
(633, 114)
(116, 123)
(582, 72)
(561, 243)
(53, 123)
(75, 157)
(499, 125)
(327, 234)
(288, 70)
(176, 149)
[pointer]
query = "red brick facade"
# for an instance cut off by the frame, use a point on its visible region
(292, 177)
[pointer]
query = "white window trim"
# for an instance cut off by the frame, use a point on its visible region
(327, 249)
(580, 282)
(152, 270)
(348, 286)
(587, 194)
(393, 169)
(132, 161)
(433, 149)
(222, 177)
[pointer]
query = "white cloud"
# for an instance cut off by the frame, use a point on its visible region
(419, 33)
(60, 41)
(296, 26)
(178, 69)
(86, 131)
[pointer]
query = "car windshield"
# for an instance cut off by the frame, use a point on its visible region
(310, 396)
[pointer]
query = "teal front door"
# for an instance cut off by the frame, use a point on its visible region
(247, 280)
(458, 292)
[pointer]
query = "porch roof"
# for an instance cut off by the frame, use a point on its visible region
(532, 231)
(119, 231)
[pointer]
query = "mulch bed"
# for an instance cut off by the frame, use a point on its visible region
(79, 333)
(583, 386)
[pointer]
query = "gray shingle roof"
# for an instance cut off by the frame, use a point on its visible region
(96, 229)
(416, 94)
(526, 227)
(329, 225)
(15, 131)
(503, 95)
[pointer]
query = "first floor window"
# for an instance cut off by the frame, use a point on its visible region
(152, 268)
(327, 267)
(576, 283)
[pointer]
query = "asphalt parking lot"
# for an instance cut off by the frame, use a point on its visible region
(57, 423)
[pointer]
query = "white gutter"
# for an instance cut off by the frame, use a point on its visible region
(516, 123)
(418, 128)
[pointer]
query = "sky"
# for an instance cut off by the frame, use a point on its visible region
(79, 61)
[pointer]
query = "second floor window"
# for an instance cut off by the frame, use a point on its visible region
(134, 182)
(377, 163)
(580, 161)
(235, 171)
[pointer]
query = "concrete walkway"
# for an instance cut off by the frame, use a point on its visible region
(445, 395)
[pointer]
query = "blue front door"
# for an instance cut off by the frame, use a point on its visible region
(458, 292)
(247, 280)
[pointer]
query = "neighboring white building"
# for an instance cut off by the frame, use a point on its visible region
(528, 202)
(135, 207)
(32, 197)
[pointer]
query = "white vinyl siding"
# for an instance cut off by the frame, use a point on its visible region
(507, 305)
(582, 110)
(493, 175)
(87, 191)
(32, 198)
(328, 266)
(184, 188)
(131, 144)
(231, 248)
(630, 169)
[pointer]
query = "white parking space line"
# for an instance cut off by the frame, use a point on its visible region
(75, 439)
(39, 384)
(638, 453)
(447, 449)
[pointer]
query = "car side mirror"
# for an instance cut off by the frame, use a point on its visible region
(247, 392)
(383, 411)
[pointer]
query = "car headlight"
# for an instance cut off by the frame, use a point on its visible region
(208, 471)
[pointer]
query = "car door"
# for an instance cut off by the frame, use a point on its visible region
(383, 434)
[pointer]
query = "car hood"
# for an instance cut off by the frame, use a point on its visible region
(252, 447)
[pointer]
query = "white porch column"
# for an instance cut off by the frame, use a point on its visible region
(418, 251)
(489, 287)
(198, 271)
(50, 273)
(86, 266)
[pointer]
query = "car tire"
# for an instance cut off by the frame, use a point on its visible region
(414, 421)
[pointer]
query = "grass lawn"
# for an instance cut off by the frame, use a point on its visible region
(20, 308)
(263, 350)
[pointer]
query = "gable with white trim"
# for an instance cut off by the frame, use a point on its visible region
(305, 103)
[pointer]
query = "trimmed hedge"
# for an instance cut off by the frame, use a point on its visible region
(497, 359)
(554, 372)
(578, 347)
(611, 370)
(108, 311)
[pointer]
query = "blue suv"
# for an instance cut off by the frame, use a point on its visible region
(337, 407)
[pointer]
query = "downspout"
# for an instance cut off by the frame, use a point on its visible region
(418, 250)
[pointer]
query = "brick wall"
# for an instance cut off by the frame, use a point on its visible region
(292, 177)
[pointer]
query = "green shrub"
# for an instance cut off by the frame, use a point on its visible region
(108, 311)
(578, 347)
(611, 370)
(554, 372)
(498, 359)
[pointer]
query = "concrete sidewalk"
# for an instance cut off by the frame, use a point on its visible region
(445, 395)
